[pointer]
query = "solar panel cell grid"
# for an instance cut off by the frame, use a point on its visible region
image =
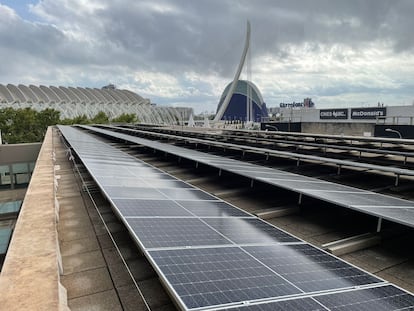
(165, 183)
(186, 194)
(214, 276)
(309, 268)
(174, 232)
(149, 208)
(212, 209)
(356, 201)
(360, 199)
(206, 261)
(385, 298)
(249, 231)
(304, 304)
(133, 192)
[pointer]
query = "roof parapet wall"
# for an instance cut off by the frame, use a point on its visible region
(30, 278)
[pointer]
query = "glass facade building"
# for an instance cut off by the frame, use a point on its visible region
(237, 107)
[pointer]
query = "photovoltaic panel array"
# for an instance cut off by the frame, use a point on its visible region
(371, 203)
(214, 256)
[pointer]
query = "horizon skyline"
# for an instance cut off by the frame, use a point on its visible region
(177, 53)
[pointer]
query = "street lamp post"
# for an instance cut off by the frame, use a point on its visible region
(394, 131)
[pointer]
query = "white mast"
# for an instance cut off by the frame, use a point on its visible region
(226, 102)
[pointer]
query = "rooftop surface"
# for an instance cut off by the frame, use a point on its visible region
(92, 272)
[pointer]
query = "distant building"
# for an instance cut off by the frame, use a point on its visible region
(76, 101)
(307, 103)
(237, 107)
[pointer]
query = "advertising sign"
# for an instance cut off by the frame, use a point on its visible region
(333, 114)
(368, 113)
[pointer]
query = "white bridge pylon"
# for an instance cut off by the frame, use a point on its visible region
(226, 102)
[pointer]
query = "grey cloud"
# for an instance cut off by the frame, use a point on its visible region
(201, 35)
(206, 37)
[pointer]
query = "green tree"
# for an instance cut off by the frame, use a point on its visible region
(26, 125)
(82, 119)
(7, 116)
(125, 118)
(47, 118)
(100, 118)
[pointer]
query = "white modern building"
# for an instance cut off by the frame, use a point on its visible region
(76, 101)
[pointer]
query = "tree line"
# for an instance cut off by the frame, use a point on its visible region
(26, 125)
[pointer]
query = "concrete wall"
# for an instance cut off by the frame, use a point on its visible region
(357, 129)
(30, 278)
(19, 153)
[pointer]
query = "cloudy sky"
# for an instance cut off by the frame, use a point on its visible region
(184, 52)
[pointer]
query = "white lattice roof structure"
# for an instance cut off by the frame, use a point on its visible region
(73, 102)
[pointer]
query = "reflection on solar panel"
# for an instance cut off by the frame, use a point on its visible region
(384, 298)
(212, 209)
(174, 232)
(249, 231)
(357, 199)
(216, 276)
(308, 268)
(149, 208)
(212, 255)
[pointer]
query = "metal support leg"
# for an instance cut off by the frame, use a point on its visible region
(196, 164)
(251, 183)
(397, 180)
(298, 162)
(219, 172)
(300, 198)
(267, 156)
(339, 170)
(379, 224)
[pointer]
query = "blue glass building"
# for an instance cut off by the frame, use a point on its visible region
(237, 107)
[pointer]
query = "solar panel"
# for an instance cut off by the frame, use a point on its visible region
(216, 276)
(165, 183)
(212, 209)
(305, 185)
(123, 181)
(174, 232)
(147, 208)
(361, 199)
(309, 185)
(212, 255)
(133, 192)
(303, 304)
(310, 269)
(186, 194)
(113, 172)
(249, 231)
(123, 163)
(383, 298)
